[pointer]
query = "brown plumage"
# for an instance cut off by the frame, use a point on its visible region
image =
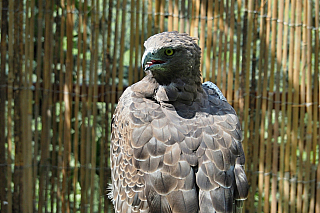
(176, 143)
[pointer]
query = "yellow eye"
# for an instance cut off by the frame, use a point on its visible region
(169, 52)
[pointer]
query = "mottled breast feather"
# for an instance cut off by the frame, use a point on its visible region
(163, 161)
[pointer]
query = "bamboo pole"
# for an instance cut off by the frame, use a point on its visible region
(301, 126)
(132, 77)
(137, 44)
(9, 108)
(4, 32)
(289, 115)
(296, 77)
(122, 45)
(26, 110)
(283, 154)
(252, 146)
(46, 113)
(209, 40)
(103, 181)
(220, 51)
(108, 97)
(275, 168)
(308, 135)
(55, 123)
(150, 18)
(257, 119)
(238, 55)
(142, 37)
(225, 48)
(272, 17)
(95, 24)
(157, 17)
(84, 116)
(231, 53)
(317, 114)
(170, 15)
(182, 17)
(68, 109)
(262, 65)
(176, 16)
(76, 109)
(114, 63)
(162, 14)
(61, 114)
(214, 41)
(203, 31)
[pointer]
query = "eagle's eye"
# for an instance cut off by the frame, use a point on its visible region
(169, 52)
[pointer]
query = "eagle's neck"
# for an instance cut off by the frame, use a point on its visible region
(183, 90)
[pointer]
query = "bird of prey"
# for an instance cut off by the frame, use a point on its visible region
(175, 142)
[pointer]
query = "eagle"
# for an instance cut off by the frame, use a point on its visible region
(175, 142)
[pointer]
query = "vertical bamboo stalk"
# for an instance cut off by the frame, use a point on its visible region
(203, 31)
(283, 154)
(295, 126)
(182, 16)
(301, 127)
(18, 132)
(289, 115)
(272, 17)
(95, 24)
(76, 110)
(231, 53)
(277, 205)
(238, 55)
(253, 89)
(221, 36)
(46, 112)
(37, 96)
(195, 28)
(257, 119)
(137, 45)
(188, 16)
(170, 15)
(132, 78)
(55, 109)
(209, 40)
(308, 136)
(225, 48)
(247, 70)
(68, 108)
(157, 16)
(61, 107)
(83, 161)
(316, 114)
(150, 18)
(26, 110)
(142, 37)
(4, 32)
(9, 109)
(176, 16)
(122, 45)
(103, 181)
(108, 101)
(214, 41)
(114, 63)
(162, 14)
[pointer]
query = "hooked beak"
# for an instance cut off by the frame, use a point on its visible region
(149, 60)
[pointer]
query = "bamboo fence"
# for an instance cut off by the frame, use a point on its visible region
(65, 63)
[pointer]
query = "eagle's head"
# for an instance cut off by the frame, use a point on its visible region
(171, 55)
